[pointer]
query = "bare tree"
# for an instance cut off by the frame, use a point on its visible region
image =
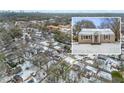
(113, 24)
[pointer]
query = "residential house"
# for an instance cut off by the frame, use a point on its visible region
(96, 36)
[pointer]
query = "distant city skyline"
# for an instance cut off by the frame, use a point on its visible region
(67, 11)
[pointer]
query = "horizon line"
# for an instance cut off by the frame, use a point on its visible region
(63, 11)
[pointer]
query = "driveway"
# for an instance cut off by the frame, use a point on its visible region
(104, 48)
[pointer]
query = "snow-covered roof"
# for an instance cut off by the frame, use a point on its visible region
(90, 61)
(105, 75)
(91, 69)
(93, 31)
(109, 60)
(69, 60)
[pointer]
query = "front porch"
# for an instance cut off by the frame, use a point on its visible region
(96, 38)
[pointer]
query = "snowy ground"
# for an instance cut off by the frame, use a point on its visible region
(104, 48)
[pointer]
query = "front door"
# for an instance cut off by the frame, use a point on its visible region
(96, 39)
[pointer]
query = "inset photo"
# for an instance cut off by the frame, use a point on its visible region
(96, 35)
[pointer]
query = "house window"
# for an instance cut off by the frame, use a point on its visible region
(106, 37)
(89, 37)
(86, 37)
(81, 37)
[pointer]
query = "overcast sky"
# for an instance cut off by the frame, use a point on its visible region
(61, 5)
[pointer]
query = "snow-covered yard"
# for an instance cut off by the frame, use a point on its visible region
(104, 48)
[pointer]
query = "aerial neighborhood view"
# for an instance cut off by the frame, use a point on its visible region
(52, 47)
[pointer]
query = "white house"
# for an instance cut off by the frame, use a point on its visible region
(96, 36)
